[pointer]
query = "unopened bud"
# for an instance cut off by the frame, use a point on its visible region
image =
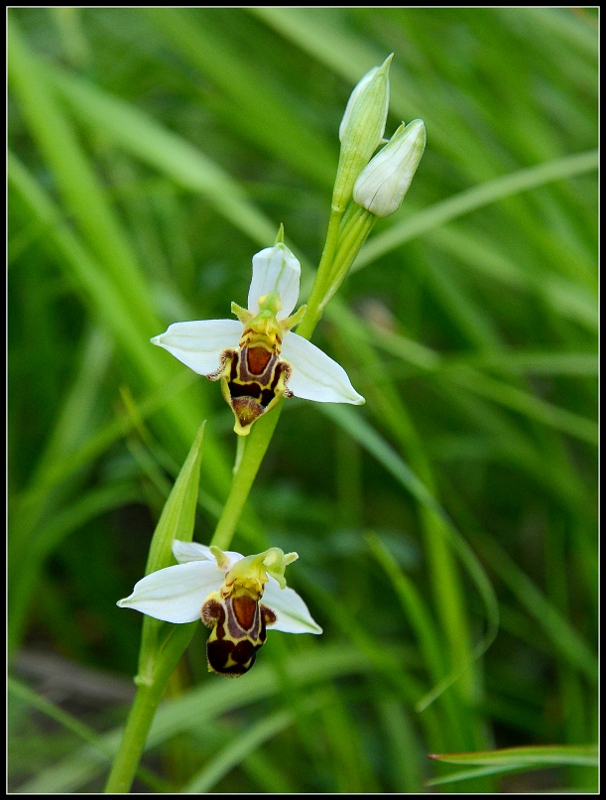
(361, 129)
(381, 186)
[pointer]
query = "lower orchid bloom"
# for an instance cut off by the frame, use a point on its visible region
(225, 590)
(257, 358)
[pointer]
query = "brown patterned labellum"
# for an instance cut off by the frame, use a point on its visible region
(253, 379)
(239, 629)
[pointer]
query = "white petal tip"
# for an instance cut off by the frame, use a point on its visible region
(352, 397)
(156, 340)
(309, 628)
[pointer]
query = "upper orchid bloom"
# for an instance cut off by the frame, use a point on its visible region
(258, 359)
(225, 590)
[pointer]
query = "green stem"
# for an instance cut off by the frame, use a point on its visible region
(247, 466)
(318, 290)
(352, 236)
(139, 721)
(143, 709)
(240, 447)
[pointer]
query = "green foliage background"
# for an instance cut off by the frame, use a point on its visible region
(152, 152)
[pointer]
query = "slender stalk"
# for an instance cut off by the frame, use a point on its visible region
(245, 473)
(142, 711)
(240, 446)
(351, 239)
(318, 290)
(139, 721)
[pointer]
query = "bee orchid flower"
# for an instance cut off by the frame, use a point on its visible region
(237, 597)
(257, 357)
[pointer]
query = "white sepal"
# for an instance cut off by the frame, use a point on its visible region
(315, 376)
(175, 594)
(275, 268)
(292, 615)
(199, 344)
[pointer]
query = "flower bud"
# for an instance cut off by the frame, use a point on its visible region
(361, 129)
(381, 186)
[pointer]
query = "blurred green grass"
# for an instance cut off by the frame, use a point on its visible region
(151, 154)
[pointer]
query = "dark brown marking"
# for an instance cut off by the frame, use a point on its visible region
(268, 616)
(244, 608)
(258, 358)
(243, 654)
(233, 372)
(213, 614)
(244, 390)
